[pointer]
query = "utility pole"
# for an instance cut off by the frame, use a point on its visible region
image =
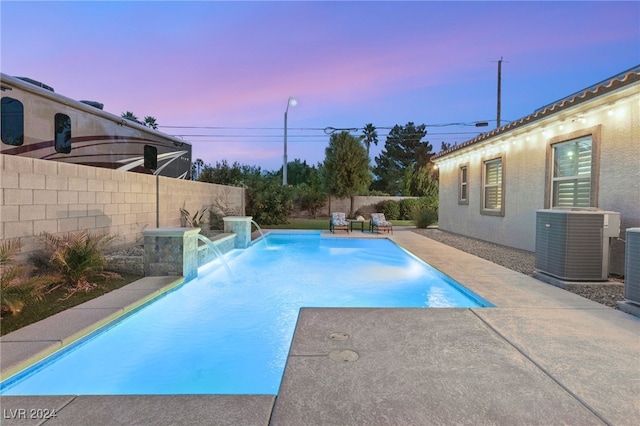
(499, 91)
(499, 87)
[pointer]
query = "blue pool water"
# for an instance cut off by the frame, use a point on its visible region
(230, 335)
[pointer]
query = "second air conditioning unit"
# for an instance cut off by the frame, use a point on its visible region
(632, 266)
(573, 244)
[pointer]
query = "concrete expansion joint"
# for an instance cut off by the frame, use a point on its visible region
(543, 370)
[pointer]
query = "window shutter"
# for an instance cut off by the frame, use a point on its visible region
(493, 185)
(572, 174)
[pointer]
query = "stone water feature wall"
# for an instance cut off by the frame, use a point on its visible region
(175, 251)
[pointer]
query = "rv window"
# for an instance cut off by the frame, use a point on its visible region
(150, 157)
(63, 133)
(12, 121)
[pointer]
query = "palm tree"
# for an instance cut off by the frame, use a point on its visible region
(151, 122)
(198, 165)
(369, 135)
(130, 116)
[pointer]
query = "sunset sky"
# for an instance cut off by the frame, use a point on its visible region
(219, 74)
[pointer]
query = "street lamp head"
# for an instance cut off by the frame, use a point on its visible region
(293, 101)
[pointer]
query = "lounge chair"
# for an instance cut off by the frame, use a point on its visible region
(379, 223)
(338, 221)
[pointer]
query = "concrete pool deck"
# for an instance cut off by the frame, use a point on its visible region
(541, 356)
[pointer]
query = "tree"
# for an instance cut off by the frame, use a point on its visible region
(196, 168)
(446, 145)
(151, 122)
(346, 166)
(298, 172)
(421, 182)
(224, 174)
(404, 150)
(369, 135)
(131, 116)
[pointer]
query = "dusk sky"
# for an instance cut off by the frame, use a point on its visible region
(225, 70)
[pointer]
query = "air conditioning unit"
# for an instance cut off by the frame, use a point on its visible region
(632, 266)
(573, 244)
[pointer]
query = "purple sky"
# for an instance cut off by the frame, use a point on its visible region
(233, 65)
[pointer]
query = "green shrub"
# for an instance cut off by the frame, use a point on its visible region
(428, 201)
(17, 284)
(391, 209)
(310, 198)
(407, 206)
(425, 216)
(269, 202)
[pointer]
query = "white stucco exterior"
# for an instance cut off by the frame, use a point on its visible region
(609, 113)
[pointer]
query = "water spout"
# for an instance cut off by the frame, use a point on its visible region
(217, 252)
(260, 231)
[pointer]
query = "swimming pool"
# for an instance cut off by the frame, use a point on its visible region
(221, 334)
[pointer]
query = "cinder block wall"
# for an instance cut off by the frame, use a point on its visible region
(193, 196)
(335, 204)
(40, 195)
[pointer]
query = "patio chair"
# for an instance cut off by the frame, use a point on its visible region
(338, 221)
(379, 223)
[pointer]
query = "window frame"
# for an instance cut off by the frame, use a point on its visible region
(463, 184)
(595, 134)
(493, 211)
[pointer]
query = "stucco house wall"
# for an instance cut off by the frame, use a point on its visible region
(610, 113)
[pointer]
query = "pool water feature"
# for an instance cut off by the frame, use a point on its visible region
(222, 335)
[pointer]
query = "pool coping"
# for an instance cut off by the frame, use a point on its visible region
(558, 338)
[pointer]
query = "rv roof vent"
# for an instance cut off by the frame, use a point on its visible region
(94, 104)
(36, 83)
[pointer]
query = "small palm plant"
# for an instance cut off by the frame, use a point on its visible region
(196, 220)
(78, 259)
(17, 286)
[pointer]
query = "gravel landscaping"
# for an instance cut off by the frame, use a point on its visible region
(524, 262)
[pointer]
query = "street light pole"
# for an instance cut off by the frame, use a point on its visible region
(291, 102)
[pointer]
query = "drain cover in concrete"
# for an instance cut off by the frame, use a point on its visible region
(343, 355)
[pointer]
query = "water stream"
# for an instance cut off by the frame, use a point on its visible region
(260, 231)
(217, 252)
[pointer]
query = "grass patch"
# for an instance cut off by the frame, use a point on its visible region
(51, 303)
(320, 224)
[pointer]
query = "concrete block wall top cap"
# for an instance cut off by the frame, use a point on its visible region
(169, 232)
(237, 218)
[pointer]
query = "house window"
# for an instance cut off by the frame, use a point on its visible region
(62, 137)
(463, 190)
(12, 121)
(571, 181)
(492, 187)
